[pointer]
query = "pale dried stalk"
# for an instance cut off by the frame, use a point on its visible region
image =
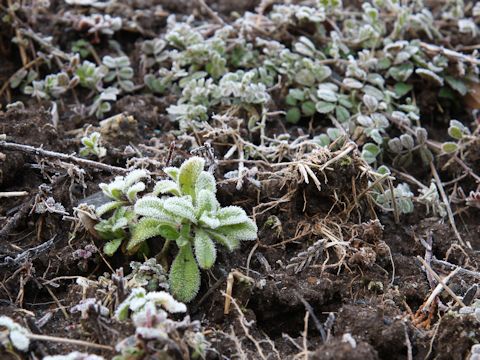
(210, 12)
(244, 324)
(441, 282)
(438, 289)
(462, 271)
(447, 205)
(13, 193)
(69, 341)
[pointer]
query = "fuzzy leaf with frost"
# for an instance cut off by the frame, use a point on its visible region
(193, 217)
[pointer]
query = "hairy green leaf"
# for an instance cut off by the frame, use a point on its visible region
(184, 275)
(324, 107)
(290, 100)
(121, 223)
(449, 147)
(455, 132)
(167, 301)
(133, 190)
(372, 148)
(189, 173)
(402, 89)
(327, 95)
(112, 246)
(172, 172)
(232, 215)
(105, 208)
(308, 108)
(148, 228)
(457, 85)
(229, 242)
(342, 114)
(206, 201)
(205, 181)
(205, 251)
(208, 220)
(134, 177)
(293, 115)
(181, 207)
(122, 311)
(114, 189)
(152, 206)
(244, 231)
(426, 155)
(166, 187)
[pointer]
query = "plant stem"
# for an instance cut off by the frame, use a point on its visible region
(69, 341)
(447, 205)
(162, 255)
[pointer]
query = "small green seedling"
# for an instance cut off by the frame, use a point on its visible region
(460, 133)
(100, 105)
(194, 219)
(370, 151)
(140, 300)
(123, 193)
(119, 70)
(406, 146)
(53, 86)
(148, 275)
(91, 145)
(402, 197)
(301, 106)
(149, 314)
(90, 76)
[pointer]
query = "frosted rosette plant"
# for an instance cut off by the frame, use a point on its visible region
(139, 300)
(147, 312)
(185, 209)
(122, 193)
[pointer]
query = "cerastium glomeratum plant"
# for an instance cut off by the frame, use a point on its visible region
(123, 193)
(183, 209)
(192, 217)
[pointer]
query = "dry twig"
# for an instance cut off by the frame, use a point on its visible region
(210, 12)
(13, 194)
(462, 271)
(64, 157)
(14, 221)
(442, 282)
(69, 341)
(447, 205)
(25, 255)
(245, 327)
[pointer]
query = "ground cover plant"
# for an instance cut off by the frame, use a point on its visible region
(239, 180)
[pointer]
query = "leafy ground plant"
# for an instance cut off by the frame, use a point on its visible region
(193, 218)
(183, 209)
(149, 314)
(92, 145)
(123, 193)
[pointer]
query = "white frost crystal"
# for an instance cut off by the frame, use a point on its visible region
(18, 335)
